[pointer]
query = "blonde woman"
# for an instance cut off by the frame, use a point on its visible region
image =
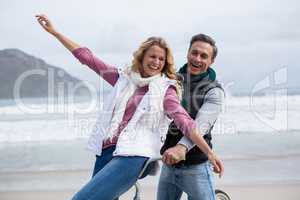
(135, 116)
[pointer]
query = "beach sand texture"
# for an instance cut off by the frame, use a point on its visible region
(62, 185)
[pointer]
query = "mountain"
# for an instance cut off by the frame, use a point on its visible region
(23, 75)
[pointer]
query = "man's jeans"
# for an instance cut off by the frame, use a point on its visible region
(195, 180)
(112, 176)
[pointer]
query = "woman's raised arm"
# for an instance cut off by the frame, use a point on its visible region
(84, 55)
(48, 26)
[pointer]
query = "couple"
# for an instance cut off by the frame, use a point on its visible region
(137, 115)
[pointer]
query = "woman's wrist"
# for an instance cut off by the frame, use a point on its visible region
(210, 153)
(55, 33)
(198, 139)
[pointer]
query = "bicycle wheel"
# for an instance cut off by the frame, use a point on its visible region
(220, 195)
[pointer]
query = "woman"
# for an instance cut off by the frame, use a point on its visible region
(135, 115)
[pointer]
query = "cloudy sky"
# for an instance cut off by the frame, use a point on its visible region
(255, 38)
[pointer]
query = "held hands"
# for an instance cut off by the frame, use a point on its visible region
(174, 154)
(46, 23)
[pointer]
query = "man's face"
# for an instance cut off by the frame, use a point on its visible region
(199, 57)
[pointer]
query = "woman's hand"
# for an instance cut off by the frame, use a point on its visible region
(46, 23)
(197, 138)
(217, 163)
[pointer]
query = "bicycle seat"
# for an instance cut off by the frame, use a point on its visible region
(150, 168)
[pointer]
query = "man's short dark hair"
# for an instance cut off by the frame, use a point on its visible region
(205, 38)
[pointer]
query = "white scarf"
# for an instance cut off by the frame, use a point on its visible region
(135, 80)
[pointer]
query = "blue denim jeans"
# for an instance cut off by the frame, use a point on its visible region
(195, 180)
(112, 176)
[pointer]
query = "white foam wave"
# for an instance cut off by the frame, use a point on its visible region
(72, 121)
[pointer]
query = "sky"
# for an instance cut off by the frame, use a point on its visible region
(258, 40)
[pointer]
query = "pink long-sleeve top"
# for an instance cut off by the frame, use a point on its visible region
(110, 73)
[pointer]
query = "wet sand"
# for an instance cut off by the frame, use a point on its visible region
(62, 185)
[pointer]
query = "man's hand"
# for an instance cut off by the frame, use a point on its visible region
(174, 154)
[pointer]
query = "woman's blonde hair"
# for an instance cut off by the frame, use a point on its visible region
(169, 68)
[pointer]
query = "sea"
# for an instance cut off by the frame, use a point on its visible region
(258, 139)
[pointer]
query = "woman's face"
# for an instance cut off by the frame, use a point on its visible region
(153, 62)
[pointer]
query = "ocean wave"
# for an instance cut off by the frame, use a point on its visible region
(261, 156)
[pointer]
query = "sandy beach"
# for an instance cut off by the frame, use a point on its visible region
(29, 175)
(258, 192)
(61, 185)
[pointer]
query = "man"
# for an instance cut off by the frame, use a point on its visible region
(203, 98)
